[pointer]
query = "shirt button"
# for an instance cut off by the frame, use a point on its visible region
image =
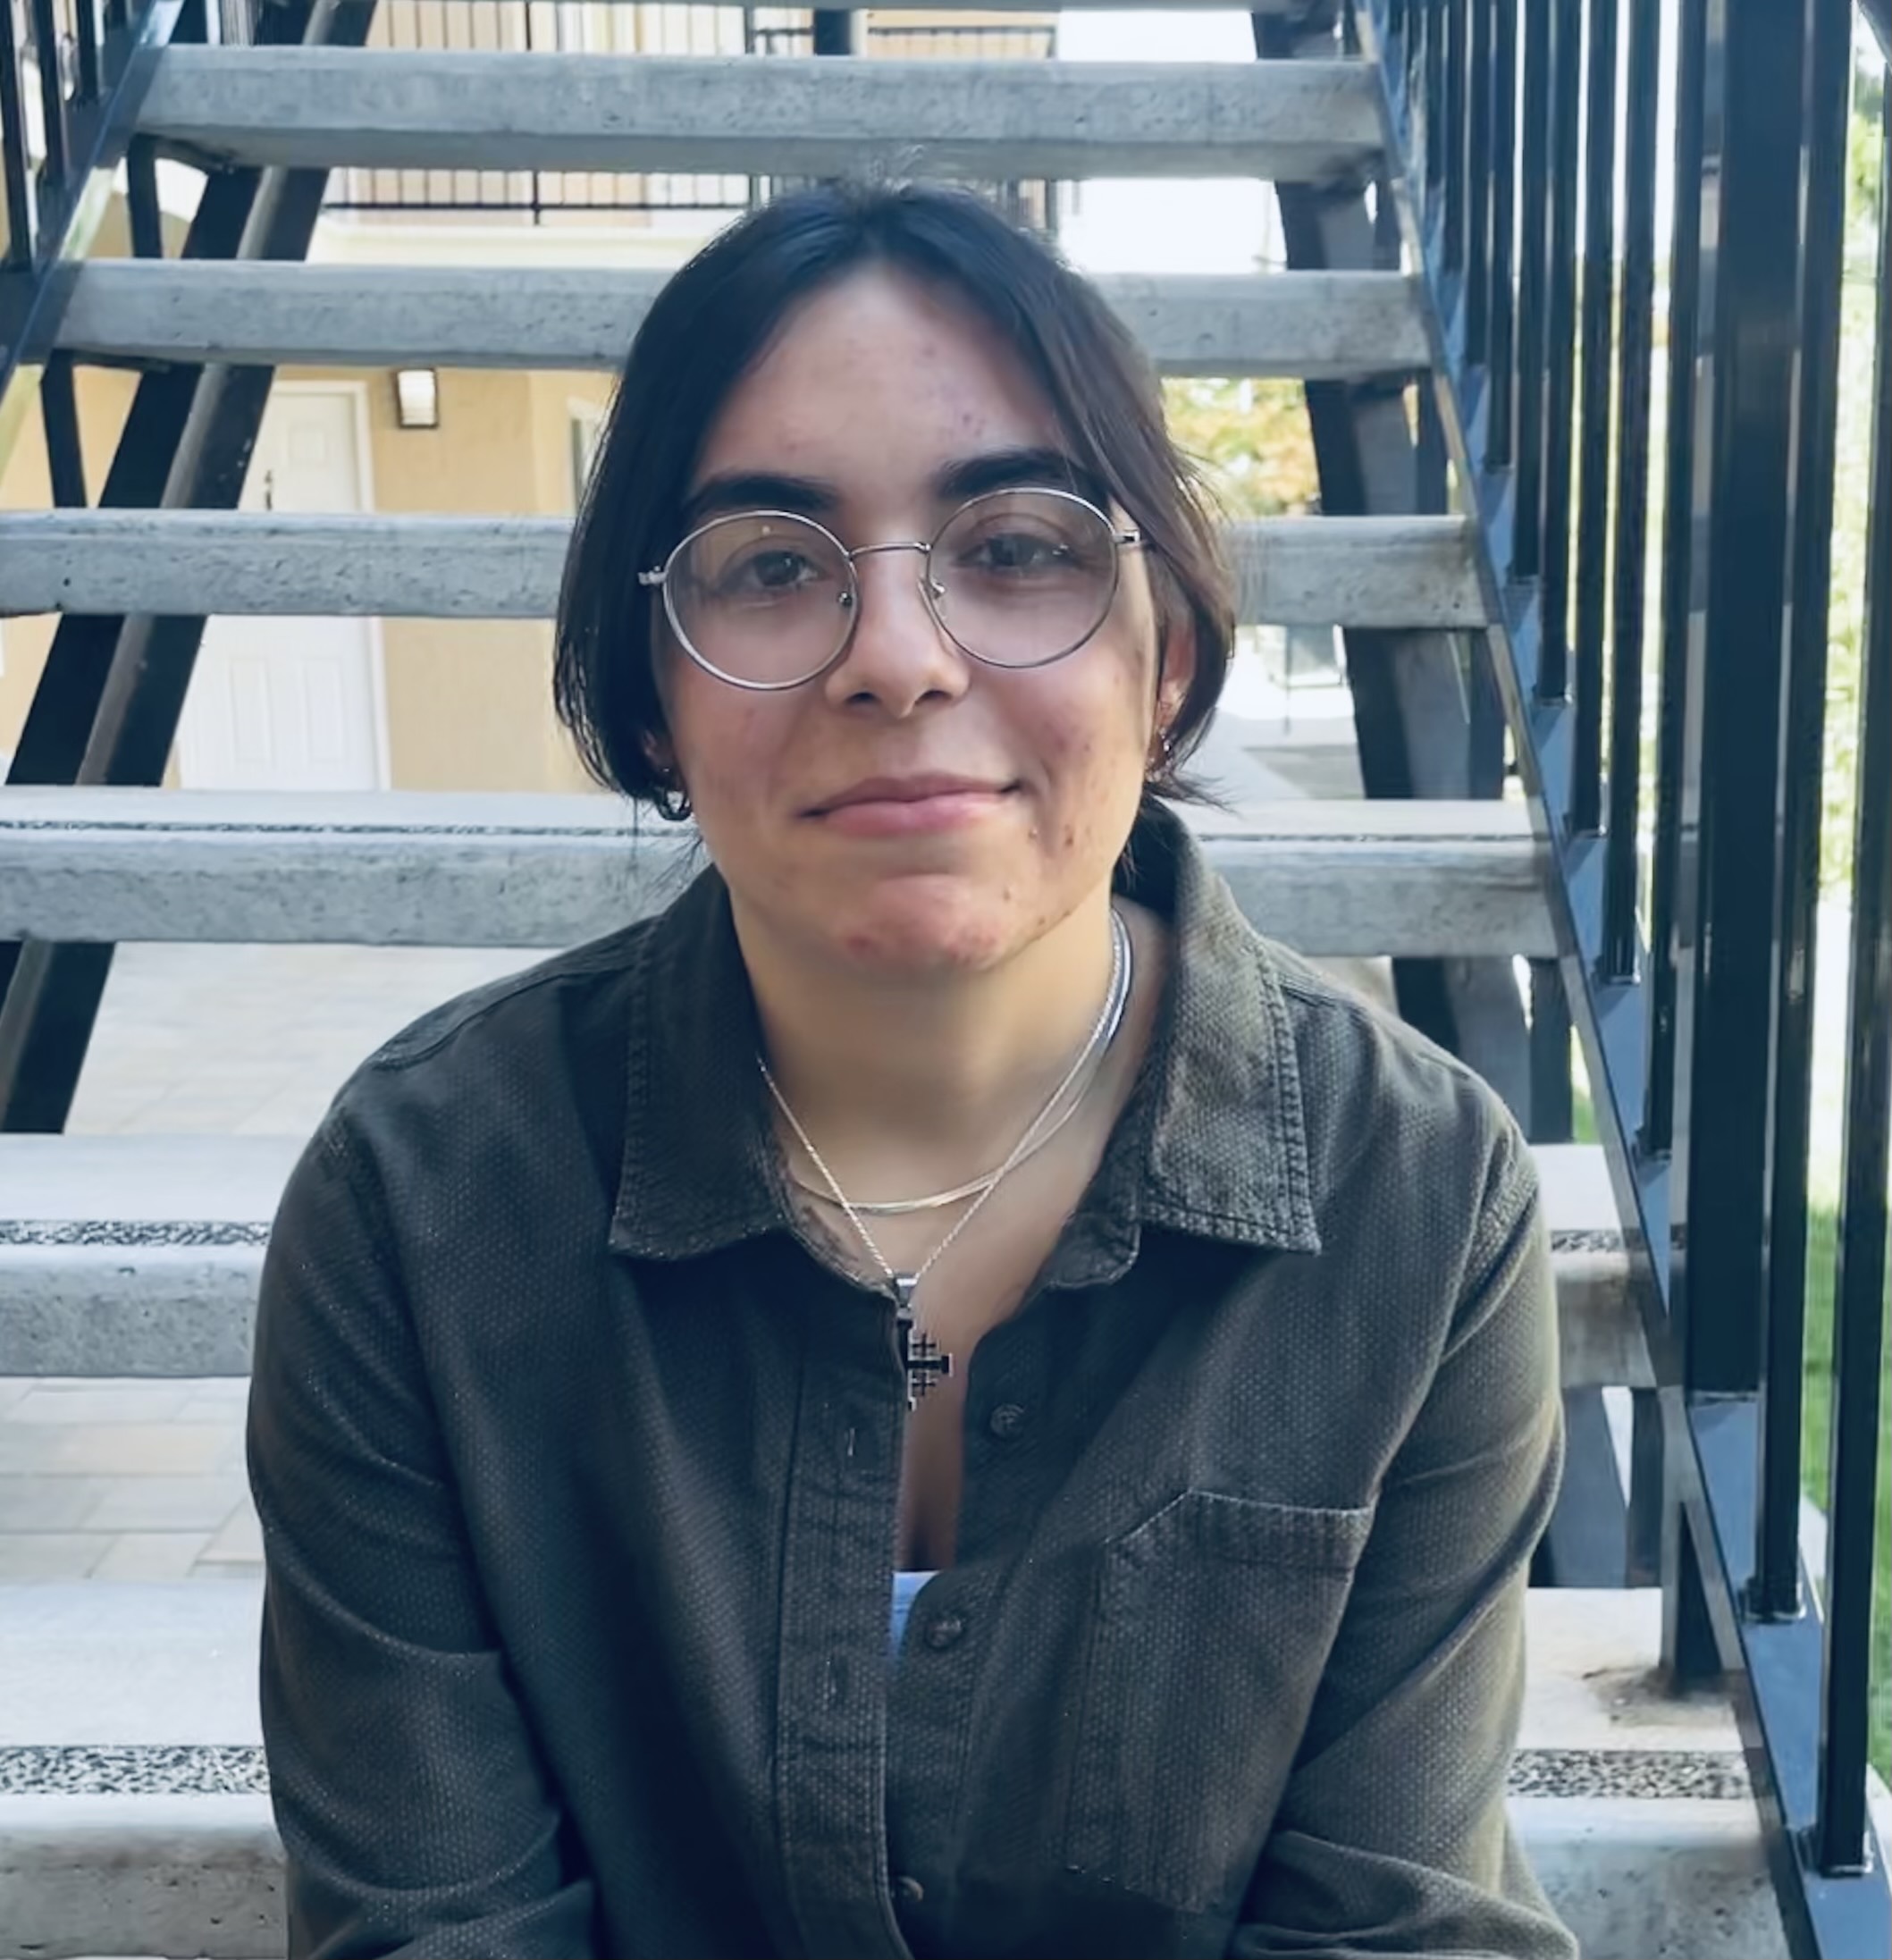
(909, 1891)
(946, 1631)
(1006, 1421)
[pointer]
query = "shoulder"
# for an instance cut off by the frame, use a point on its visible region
(521, 1051)
(1385, 1107)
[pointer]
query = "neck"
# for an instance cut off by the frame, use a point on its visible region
(924, 1084)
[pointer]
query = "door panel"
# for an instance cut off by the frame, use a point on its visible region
(289, 704)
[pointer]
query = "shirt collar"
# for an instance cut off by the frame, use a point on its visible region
(1213, 1141)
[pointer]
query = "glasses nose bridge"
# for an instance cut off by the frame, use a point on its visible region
(897, 544)
(929, 588)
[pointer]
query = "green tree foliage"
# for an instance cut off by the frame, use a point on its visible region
(1852, 466)
(1250, 441)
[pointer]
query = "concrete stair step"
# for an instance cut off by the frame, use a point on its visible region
(140, 1256)
(996, 121)
(1392, 572)
(134, 1814)
(1306, 326)
(517, 869)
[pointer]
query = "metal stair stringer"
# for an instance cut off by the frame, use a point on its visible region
(1429, 721)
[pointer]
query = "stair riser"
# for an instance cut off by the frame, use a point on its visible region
(1634, 1880)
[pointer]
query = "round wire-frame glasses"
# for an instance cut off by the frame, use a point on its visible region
(1106, 534)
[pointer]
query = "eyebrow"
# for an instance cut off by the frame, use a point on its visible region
(968, 477)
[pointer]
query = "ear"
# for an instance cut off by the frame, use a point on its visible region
(1175, 670)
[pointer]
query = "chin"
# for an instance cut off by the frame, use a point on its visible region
(924, 925)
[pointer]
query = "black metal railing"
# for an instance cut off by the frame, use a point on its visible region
(1651, 463)
(109, 698)
(60, 62)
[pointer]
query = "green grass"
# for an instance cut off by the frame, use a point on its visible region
(1816, 1444)
(1817, 1432)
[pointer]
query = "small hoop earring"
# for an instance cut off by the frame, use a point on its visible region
(1163, 761)
(672, 801)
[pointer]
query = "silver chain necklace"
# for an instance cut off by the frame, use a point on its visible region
(892, 1208)
(924, 1360)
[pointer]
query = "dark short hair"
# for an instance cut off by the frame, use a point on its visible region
(712, 321)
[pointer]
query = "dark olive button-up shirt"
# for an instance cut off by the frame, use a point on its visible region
(578, 1474)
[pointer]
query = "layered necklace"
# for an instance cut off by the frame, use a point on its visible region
(923, 1359)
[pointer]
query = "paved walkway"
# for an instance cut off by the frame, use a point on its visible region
(121, 1479)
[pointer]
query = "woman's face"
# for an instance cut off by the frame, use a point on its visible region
(874, 394)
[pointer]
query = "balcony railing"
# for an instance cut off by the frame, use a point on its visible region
(1654, 481)
(601, 27)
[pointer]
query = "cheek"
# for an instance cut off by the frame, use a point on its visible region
(1090, 746)
(725, 739)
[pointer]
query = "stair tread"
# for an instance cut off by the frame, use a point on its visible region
(1391, 572)
(1313, 325)
(1287, 121)
(28, 807)
(152, 1177)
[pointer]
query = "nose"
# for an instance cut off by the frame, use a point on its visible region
(899, 655)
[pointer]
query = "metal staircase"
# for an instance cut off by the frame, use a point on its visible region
(140, 1256)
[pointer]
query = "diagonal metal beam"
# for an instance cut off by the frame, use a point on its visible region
(107, 704)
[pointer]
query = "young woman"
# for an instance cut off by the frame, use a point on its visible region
(949, 1228)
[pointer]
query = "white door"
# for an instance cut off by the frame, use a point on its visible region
(290, 703)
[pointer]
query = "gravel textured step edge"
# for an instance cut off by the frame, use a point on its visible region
(119, 1860)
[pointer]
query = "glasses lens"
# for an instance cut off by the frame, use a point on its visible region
(1023, 576)
(764, 599)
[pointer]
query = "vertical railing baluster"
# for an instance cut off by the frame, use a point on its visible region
(1592, 502)
(1415, 11)
(1432, 94)
(51, 109)
(1621, 865)
(1532, 262)
(86, 21)
(1478, 186)
(1859, 1294)
(1502, 308)
(1561, 326)
(1453, 252)
(1685, 315)
(1774, 1593)
(15, 165)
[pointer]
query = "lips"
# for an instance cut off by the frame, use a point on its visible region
(908, 789)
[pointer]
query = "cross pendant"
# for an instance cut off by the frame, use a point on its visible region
(921, 1355)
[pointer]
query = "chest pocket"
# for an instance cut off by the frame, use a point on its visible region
(1213, 1620)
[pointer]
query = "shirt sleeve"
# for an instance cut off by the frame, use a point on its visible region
(1392, 1836)
(415, 1814)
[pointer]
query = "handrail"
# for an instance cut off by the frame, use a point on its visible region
(1695, 1015)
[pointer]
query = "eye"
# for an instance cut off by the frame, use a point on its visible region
(1015, 553)
(770, 572)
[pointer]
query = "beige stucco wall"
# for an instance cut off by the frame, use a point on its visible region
(467, 701)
